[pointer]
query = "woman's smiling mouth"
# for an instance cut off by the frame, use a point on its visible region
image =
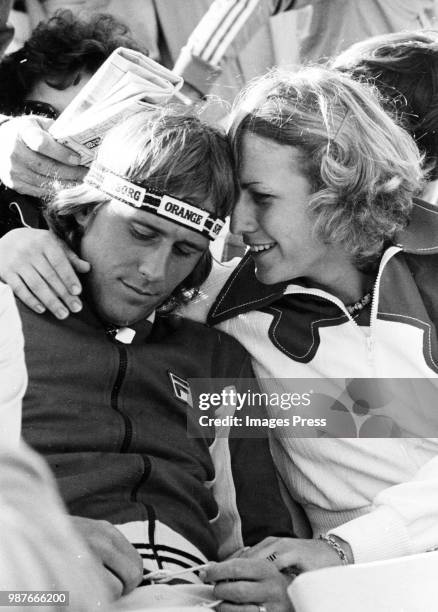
(255, 249)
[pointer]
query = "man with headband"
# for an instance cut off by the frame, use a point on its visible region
(109, 399)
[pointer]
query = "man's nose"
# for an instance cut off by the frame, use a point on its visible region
(154, 263)
(243, 217)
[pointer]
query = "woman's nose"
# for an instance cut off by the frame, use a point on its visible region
(243, 218)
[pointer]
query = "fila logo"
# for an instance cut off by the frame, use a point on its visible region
(181, 388)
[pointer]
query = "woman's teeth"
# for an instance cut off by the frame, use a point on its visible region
(258, 248)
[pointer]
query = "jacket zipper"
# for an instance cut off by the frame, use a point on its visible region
(369, 339)
(389, 253)
(123, 364)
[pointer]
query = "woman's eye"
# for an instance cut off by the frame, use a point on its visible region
(261, 198)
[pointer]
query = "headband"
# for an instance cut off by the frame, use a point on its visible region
(154, 201)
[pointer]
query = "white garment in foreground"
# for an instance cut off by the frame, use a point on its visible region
(406, 585)
(39, 549)
(13, 376)
(168, 598)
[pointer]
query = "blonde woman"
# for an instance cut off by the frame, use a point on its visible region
(338, 282)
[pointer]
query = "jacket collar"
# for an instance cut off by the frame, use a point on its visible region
(421, 235)
(243, 292)
(134, 334)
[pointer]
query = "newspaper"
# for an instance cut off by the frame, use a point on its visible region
(127, 82)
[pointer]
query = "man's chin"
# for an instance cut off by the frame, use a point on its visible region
(125, 310)
(125, 319)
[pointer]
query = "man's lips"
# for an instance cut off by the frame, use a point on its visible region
(142, 292)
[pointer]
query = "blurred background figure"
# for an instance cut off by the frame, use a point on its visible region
(404, 68)
(229, 25)
(164, 26)
(228, 42)
(6, 31)
(43, 77)
(57, 61)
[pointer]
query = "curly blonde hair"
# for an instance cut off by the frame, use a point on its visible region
(363, 168)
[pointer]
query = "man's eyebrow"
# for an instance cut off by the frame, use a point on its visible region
(145, 224)
(192, 245)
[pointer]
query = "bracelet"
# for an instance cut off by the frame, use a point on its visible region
(330, 540)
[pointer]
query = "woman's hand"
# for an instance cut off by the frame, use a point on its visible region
(248, 585)
(40, 269)
(304, 555)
